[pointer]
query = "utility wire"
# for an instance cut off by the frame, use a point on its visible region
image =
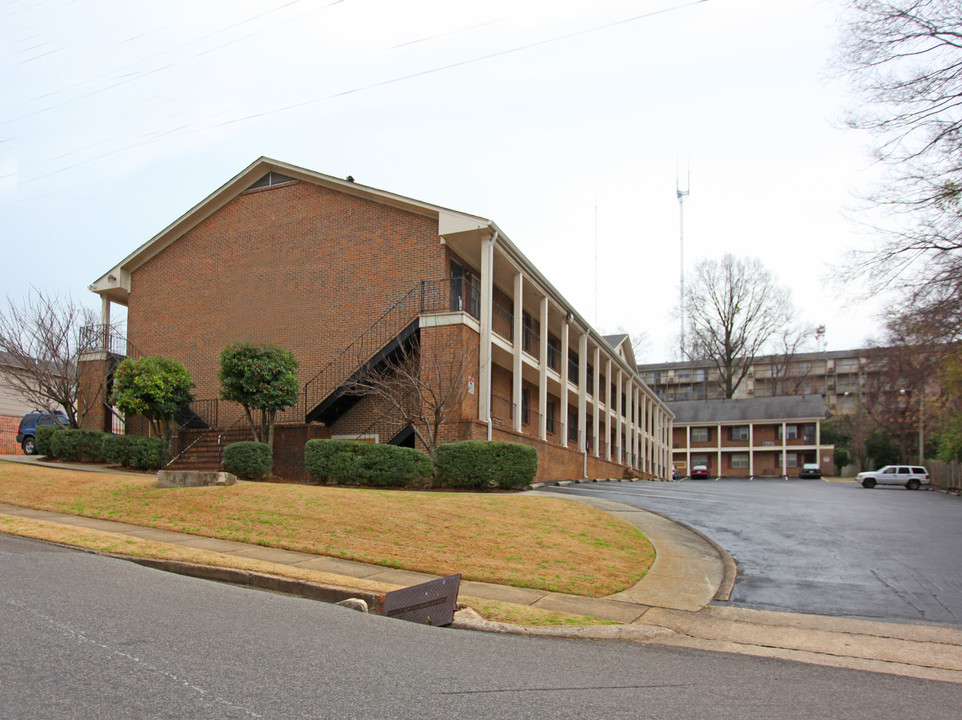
(191, 129)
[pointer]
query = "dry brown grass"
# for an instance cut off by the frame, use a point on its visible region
(543, 543)
(117, 544)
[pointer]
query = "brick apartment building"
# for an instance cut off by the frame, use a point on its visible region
(340, 273)
(751, 437)
(838, 376)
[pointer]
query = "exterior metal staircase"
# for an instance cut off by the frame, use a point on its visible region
(328, 394)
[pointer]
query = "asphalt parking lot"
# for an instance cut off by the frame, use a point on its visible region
(829, 548)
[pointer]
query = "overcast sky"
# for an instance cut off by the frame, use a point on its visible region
(562, 121)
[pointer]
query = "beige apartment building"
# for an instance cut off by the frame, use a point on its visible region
(837, 376)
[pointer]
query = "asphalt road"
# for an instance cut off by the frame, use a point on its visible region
(82, 636)
(829, 548)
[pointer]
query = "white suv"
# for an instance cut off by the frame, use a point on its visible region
(912, 477)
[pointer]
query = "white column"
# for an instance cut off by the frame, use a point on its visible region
(637, 420)
(608, 417)
(619, 450)
(818, 442)
(595, 392)
(517, 345)
(629, 425)
(484, 349)
(718, 446)
(543, 372)
(583, 391)
(563, 411)
(688, 445)
(751, 449)
(784, 450)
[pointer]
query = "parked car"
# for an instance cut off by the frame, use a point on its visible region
(676, 474)
(699, 472)
(811, 470)
(911, 476)
(27, 431)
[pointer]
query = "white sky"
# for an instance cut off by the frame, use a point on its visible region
(116, 117)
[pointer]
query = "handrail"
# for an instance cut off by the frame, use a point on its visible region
(426, 296)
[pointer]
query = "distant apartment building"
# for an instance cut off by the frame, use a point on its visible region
(757, 437)
(837, 376)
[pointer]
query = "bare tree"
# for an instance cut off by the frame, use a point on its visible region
(43, 340)
(904, 61)
(734, 308)
(423, 387)
(788, 374)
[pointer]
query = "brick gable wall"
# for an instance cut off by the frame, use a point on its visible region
(297, 265)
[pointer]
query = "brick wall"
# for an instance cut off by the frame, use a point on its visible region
(297, 265)
(8, 435)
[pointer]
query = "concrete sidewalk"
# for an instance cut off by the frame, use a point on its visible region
(671, 605)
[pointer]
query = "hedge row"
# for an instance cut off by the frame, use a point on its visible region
(73, 445)
(135, 451)
(469, 464)
(352, 462)
(481, 465)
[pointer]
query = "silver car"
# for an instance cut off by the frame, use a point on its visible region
(911, 476)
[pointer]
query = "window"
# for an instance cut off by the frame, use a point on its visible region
(700, 375)
(791, 433)
(572, 425)
(551, 417)
(699, 459)
(739, 460)
(739, 432)
(525, 405)
(684, 375)
(700, 434)
(791, 460)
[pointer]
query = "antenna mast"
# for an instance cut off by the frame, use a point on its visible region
(682, 194)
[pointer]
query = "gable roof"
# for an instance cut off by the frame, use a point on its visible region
(115, 283)
(788, 407)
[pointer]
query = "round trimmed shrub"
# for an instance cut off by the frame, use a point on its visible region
(73, 445)
(352, 462)
(480, 464)
(147, 453)
(42, 438)
(116, 449)
(248, 460)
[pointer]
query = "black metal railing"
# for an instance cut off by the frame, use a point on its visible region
(102, 338)
(425, 297)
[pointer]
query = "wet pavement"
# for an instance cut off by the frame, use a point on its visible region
(827, 548)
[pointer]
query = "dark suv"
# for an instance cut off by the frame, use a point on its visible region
(27, 432)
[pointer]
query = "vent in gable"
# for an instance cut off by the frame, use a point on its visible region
(272, 178)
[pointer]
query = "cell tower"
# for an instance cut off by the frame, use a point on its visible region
(682, 194)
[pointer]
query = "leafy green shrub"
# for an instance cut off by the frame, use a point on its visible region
(147, 453)
(44, 433)
(72, 445)
(351, 462)
(482, 464)
(135, 451)
(116, 449)
(250, 460)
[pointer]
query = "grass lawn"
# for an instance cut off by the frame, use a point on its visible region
(544, 543)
